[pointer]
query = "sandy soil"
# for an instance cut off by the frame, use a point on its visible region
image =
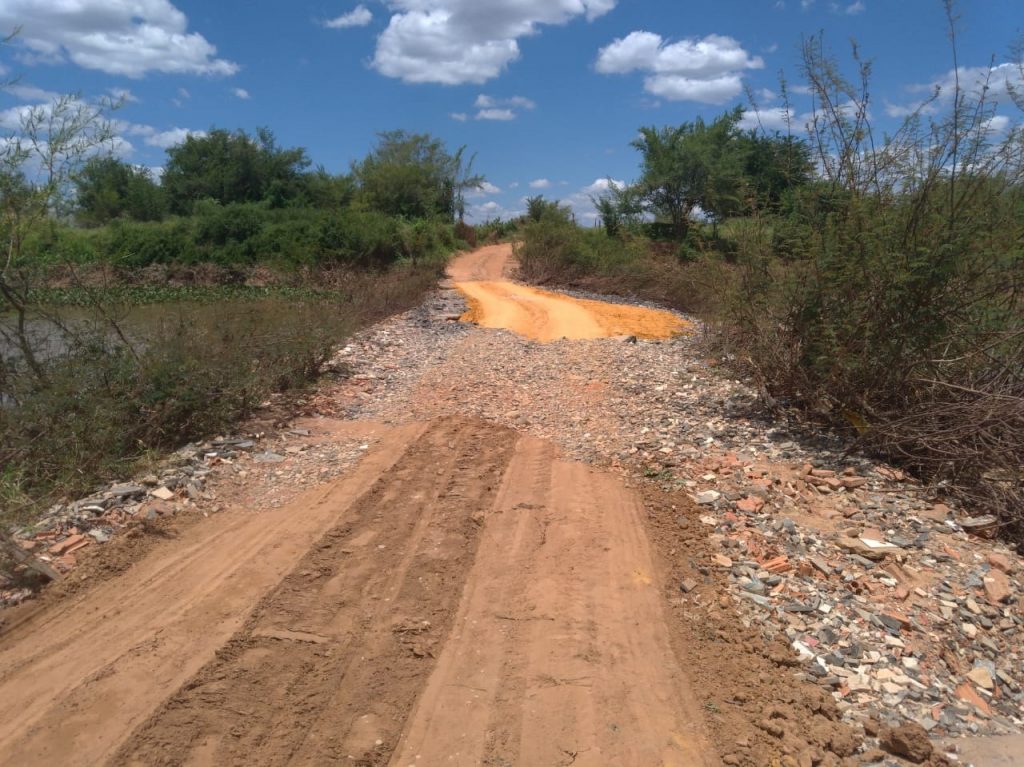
(463, 596)
(541, 315)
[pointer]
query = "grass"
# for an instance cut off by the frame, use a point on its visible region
(103, 408)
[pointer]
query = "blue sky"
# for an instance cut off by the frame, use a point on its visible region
(548, 93)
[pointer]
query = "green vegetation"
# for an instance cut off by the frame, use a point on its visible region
(114, 400)
(263, 267)
(879, 288)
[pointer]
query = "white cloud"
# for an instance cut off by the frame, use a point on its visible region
(996, 82)
(28, 92)
(14, 117)
(492, 108)
(359, 17)
(854, 8)
(709, 70)
(483, 101)
(490, 210)
(602, 185)
(998, 124)
(581, 202)
(167, 139)
(123, 94)
(119, 37)
(514, 185)
(466, 41)
(459, 116)
(485, 189)
(771, 119)
(495, 114)
(540, 183)
(241, 93)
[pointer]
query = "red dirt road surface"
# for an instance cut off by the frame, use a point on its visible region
(463, 596)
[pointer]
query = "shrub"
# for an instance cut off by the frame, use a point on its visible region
(365, 238)
(465, 233)
(219, 225)
(887, 297)
(103, 405)
(141, 244)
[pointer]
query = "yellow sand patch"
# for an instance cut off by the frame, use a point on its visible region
(545, 316)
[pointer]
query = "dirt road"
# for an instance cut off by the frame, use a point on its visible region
(464, 597)
(541, 315)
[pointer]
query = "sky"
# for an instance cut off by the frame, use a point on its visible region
(547, 93)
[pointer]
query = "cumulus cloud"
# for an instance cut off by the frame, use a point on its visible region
(483, 101)
(119, 37)
(490, 210)
(496, 114)
(540, 183)
(494, 108)
(27, 92)
(359, 17)
(708, 70)
(771, 119)
(454, 42)
(602, 185)
(485, 189)
(996, 82)
(168, 138)
(241, 93)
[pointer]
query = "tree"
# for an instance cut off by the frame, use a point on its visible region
(774, 164)
(232, 167)
(540, 209)
(327, 192)
(413, 175)
(618, 207)
(108, 188)
(693, 165)
(37, 166)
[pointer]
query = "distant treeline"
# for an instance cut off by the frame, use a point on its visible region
(233, 198)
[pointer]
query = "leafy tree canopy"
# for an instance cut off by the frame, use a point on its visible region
(415, 176)
(233, 167)
(107, 188)
(715, 167)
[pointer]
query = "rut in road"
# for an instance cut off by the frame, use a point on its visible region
(331, 661)
(549, 640)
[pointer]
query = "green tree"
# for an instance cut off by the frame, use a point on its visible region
(540, 209)
(618, 207)
(107, 188)
(692, 166)
(233, 167)
(414, 175)
(328, 192)
(774, 164)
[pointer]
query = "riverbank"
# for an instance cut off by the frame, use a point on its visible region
(104, 381)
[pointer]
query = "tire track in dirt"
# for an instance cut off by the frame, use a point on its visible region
(561, 653)
(329, 664)
(78, 676)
